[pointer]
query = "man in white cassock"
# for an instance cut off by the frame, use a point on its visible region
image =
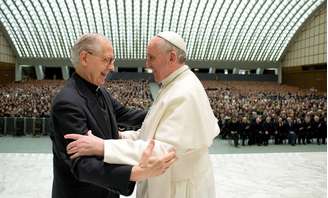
(180, 117)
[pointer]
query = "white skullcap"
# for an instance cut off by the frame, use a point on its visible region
(175, 39)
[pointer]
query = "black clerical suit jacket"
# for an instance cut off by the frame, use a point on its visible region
(75, 109)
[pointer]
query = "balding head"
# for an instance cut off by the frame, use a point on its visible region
(90, 42)
(93, 58)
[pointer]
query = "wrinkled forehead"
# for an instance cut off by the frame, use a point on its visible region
(156, 44)
(153, 42)
(153, 45)
(105, 47)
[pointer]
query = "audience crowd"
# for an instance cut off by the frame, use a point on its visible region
(256, 112)
(131, 93)
(248, 112)
(28, 99)
(33, 98)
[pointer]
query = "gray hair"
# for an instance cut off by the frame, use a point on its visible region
(167, 46)
(87, 42)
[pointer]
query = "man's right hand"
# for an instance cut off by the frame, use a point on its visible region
(150, 166)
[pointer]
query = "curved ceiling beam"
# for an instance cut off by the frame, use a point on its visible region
(215, 30)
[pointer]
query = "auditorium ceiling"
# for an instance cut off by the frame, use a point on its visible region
(226, 30)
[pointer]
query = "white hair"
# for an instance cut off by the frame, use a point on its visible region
(87, 42)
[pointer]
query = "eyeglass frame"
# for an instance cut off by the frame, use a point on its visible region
(107, 60)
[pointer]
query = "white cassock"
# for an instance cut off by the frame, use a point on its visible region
(180, 117)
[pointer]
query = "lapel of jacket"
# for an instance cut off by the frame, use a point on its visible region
(93, 107)
(112, 115)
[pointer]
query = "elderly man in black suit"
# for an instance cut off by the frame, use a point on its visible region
(84, 105)
(290, 128)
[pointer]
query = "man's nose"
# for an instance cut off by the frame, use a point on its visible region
(146, 64)
(111, 67)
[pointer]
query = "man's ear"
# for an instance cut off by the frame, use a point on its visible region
(83, 58)
(173, 56)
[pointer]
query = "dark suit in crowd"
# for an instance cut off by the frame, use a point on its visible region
(320, 130)
(234, 132)
(244, 132)
(268, 129)
(308, 131)
(258, 133)
(282, 133)
(291, 131)
(300, 131)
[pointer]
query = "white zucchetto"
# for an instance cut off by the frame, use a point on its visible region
(174, 39)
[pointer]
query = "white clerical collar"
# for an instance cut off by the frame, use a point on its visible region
(174, 75)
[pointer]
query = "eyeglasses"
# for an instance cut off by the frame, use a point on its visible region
(109, 61)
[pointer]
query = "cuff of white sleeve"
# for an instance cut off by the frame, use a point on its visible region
(107, 151)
